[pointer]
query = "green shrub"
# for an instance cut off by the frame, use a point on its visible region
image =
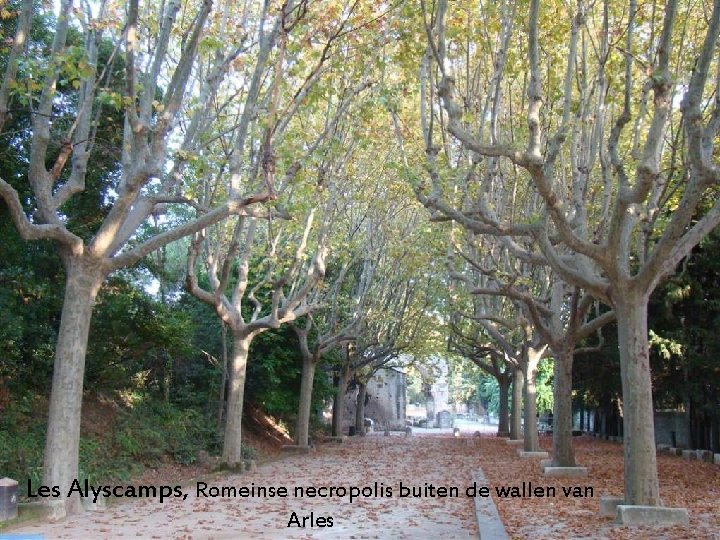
(150, 431)
(22, 442)
(248, 452)
(148, 434)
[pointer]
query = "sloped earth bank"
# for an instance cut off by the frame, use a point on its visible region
(416, 462)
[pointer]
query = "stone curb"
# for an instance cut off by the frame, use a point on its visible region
(611, 506)
(538, 454)
(560, 472)
(701, 455)
(651, 515)
(490, 526)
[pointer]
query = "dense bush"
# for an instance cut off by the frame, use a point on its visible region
(154, 430)
(22, 441)
(146, 435)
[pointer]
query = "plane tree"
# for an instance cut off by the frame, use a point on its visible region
(387, 340)
(475, 268)
(162, 58)
(176, 79)
(622, 167)
(286, 284)
(524, 348)
(379, 336)
(468, 341)
(399, 302)
(342, 302)
(564, 316)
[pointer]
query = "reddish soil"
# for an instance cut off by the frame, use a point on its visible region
(263, 433)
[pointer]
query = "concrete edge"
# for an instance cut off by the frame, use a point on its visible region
(609, 504)
(538, 454)
(490, 526)
(565, 472)
(651, 515)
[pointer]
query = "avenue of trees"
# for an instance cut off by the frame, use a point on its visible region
(606, 176)
(208, 203)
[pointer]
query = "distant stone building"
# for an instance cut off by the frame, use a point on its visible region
(437, 393)
(385, 403)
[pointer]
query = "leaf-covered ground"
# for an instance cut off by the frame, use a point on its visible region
(689, 484)
(416, 462)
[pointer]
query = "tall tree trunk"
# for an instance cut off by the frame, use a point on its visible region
(223, 375)
(530, 433)
(503, 408)
(62, 444)
(306, 388)
(232, 444)
(640, 475)
(563, 453)
(339, 401)
(360, 409)
(516, 408)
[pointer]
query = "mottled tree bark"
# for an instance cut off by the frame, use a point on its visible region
(306, 388)
(339, 401)
(62, 443)
(563, 453)
(360, 409)
(223, 375)
(641, 478)
(516, 407)
(530, 433)
(232, 443)
(503, 407)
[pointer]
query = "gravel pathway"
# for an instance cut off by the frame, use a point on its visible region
(371, 469)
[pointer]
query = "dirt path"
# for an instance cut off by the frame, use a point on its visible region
(375, 463)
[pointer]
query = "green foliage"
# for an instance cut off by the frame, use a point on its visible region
(152, 430)
(29, 310)
(273, 376)
(488, 391)
(596, 375)
(684, 315)
(248, 452)
(146, 435)
(471, 384)
(543, 381)
(101, 462)
(133, 335)
(22, 440)
(414, 387)
(273, 372)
